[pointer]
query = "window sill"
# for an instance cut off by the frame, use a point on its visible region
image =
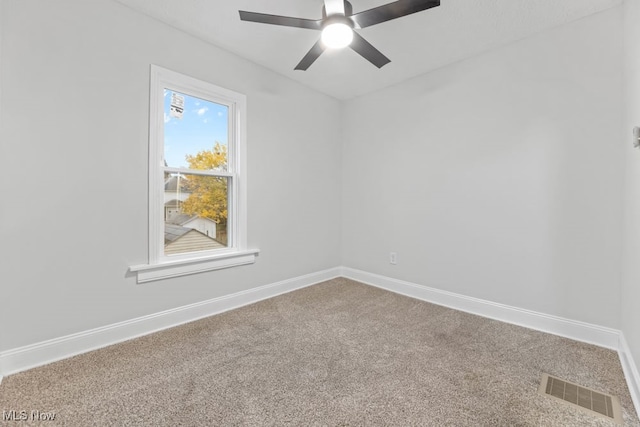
(151, 272)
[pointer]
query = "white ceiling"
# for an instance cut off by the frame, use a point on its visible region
(415, 44)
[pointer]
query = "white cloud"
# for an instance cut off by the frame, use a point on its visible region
(202, 110)
(167, 118)
(219, 113)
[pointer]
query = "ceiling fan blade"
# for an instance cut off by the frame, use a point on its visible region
(368, 52)
(391, 11)
(286, 21)
(311, 56)
(334, 7)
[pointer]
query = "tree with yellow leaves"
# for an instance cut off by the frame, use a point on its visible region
(208, 198)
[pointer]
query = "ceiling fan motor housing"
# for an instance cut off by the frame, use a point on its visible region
(348, 10)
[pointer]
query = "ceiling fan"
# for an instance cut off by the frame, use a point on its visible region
(338, 23)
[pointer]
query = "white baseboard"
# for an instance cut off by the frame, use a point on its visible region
(31, 356)
(630, 372)
(579, 331)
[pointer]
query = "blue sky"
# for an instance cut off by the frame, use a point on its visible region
(202, 124)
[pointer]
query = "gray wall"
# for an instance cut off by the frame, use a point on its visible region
(2, 295)
(74, 143)
(631, 270)
(498, 177)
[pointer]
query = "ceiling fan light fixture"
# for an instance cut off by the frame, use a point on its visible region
(337, 35)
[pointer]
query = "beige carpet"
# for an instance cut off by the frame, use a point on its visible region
(338, 354)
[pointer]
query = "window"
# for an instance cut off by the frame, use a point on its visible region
(197, 185)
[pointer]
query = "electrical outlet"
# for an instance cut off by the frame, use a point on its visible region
(393, 258)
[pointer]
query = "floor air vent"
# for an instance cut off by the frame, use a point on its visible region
(591, 401)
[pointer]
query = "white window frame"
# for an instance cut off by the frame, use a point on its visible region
(161, 266)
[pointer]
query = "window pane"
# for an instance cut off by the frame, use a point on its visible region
(196, 132)
(195, 213)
